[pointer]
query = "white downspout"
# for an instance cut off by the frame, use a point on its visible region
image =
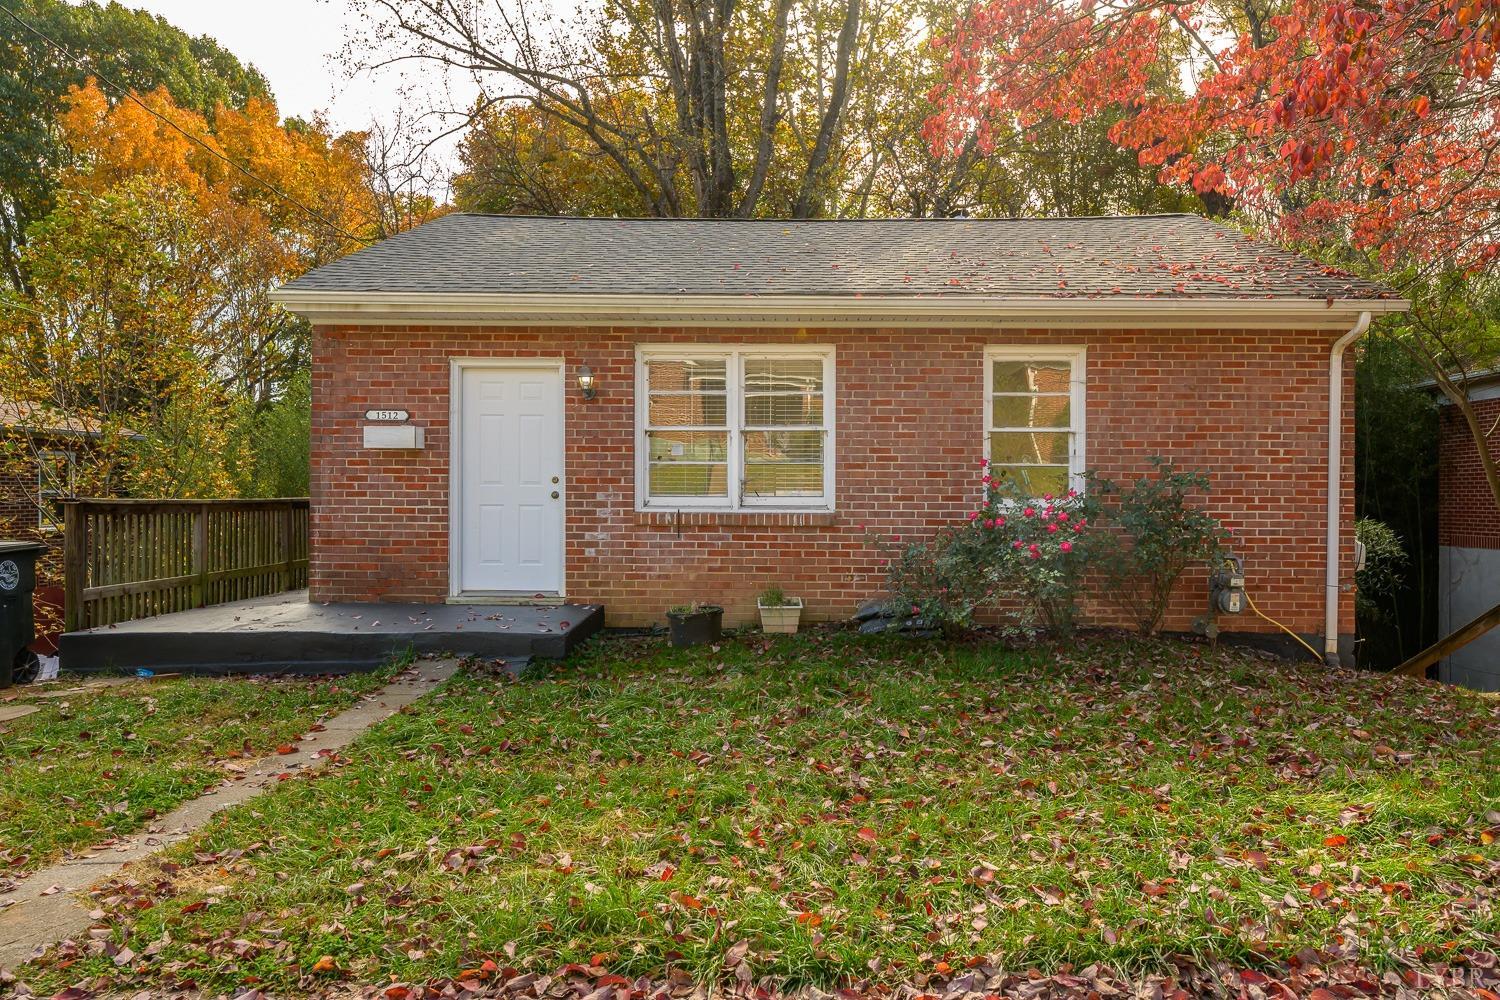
(1335, 484)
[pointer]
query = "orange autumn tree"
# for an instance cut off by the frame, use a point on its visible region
(1363, 129)
(150, 311)
(301, 200)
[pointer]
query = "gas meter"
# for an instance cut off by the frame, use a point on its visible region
(1226, 586)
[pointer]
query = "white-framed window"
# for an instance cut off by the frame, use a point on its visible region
(55, 474)
(735, 427)
(1034, 410)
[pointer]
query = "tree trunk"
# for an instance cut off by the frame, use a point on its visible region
(812, 177)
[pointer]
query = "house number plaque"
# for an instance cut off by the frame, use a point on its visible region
(387, 416)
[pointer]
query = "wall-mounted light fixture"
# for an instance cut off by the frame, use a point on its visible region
(586, 382)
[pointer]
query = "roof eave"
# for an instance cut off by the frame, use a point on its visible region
(340, 308)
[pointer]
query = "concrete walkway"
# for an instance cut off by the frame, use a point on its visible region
(46, 907)
(9, 713)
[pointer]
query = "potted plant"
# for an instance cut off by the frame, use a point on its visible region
(778, 612)
(694, 624)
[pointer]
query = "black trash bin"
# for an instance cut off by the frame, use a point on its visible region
(17, 584)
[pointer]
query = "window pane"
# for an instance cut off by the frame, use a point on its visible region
(688, 446)
(1031, 376)
(1027, 448)
(781, 410)
(783, 463)
(687, 375)
(783, 375)
(1034, 480)
(686, 480)
(1031, 411)
(688, 464)
(688, 410)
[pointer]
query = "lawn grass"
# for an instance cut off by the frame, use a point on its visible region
(89, 766)
(851, 809)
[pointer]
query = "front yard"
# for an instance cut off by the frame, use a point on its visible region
(827, 810)
(106, 760)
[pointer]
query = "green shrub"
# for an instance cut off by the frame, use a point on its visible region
(1384, 569)
(936, 580)
(1158, 533)
(276, 442)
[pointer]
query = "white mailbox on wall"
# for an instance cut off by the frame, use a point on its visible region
(389, 429)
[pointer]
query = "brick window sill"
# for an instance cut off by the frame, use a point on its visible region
(763, 518)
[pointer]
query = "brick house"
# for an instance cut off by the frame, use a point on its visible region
(1468, 537)
(641, 413)
(39, 454)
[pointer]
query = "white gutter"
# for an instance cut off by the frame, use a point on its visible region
(1335, 484)
(356, 308)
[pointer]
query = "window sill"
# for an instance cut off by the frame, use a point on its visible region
(698, 517)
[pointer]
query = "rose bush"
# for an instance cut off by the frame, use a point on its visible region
(1035, 550)
(1025, 554)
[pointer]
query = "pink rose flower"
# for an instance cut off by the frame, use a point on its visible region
(973, 514)
(1029, 512)
(1066, 546)
(999, 522)
(1016, 544)
(1062, 517)
(1051, 529)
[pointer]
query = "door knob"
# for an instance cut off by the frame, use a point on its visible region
(554, 480)
(555, 494)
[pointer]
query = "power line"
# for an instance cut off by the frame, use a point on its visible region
(9, 303)
(126, 93)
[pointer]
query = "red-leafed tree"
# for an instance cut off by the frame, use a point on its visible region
(1372, 121)
(1370, 126)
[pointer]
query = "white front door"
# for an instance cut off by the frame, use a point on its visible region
(509, 471)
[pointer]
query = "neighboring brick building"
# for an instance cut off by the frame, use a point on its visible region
(1468, 536)
(766, 396)
(39, 450)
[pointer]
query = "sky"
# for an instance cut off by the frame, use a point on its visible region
(295, 45)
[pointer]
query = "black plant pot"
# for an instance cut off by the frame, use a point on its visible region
(694, 628)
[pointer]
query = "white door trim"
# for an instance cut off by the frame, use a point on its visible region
(456, 368)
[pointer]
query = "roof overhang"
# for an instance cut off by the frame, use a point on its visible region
(1478, 386)
(391, 308)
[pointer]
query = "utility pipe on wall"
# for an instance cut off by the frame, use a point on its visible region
(1335, 484)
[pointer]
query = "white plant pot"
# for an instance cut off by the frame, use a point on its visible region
(781, 619)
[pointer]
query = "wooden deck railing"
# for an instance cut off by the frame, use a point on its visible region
(127, 559)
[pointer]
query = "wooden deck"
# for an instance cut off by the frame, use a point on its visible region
(286, 633)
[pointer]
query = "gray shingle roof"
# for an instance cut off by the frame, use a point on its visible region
(1157, 256)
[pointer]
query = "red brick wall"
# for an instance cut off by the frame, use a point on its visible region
(1467, 515)
(17, 487)
(1248, 406)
